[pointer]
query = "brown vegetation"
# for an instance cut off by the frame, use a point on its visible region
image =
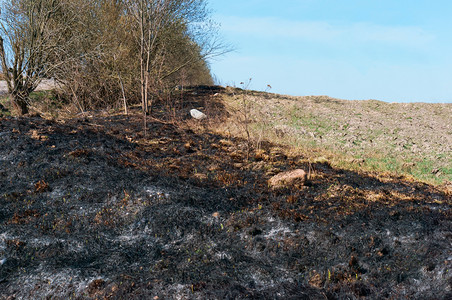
(105, 53)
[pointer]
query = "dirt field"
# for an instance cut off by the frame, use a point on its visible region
(90, 208)
(404, 138)
(44, 86)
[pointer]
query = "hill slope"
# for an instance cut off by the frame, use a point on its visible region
(91, 208)
(404, 138)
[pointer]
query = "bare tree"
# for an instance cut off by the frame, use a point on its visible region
(25, 43)
(96, 48)
(35, 40)
(151, 17)
(167, 26)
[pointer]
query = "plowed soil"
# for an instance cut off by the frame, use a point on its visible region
(91, 208)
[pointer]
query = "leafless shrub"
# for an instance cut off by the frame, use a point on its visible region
(95, 49)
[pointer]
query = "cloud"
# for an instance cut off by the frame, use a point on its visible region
(325, 32)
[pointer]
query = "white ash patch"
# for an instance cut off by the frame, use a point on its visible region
(407, 239)
(311, 236)
(180, 291)
(271, 219)
(223, 255)
(212, 220)
(52, 284)
(156, 192)
(43, 242)
(436, 279)
(261, 278)
(131, 237)
(56, 193)
(3, 238)
(278, 232)
(186, 239)
(440, 273)
(73, 246)
(86, 210)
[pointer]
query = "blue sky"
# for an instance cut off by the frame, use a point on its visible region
(390, 50)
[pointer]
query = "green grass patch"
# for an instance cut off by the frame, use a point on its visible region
(4, 101)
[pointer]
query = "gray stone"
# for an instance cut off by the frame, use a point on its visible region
(197, 114)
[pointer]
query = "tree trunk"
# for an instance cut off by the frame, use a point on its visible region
(19, 102)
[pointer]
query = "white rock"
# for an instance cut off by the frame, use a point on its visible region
(197, 114)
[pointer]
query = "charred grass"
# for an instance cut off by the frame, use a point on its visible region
(90, 208)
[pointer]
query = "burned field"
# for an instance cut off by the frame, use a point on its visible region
(90, 208)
